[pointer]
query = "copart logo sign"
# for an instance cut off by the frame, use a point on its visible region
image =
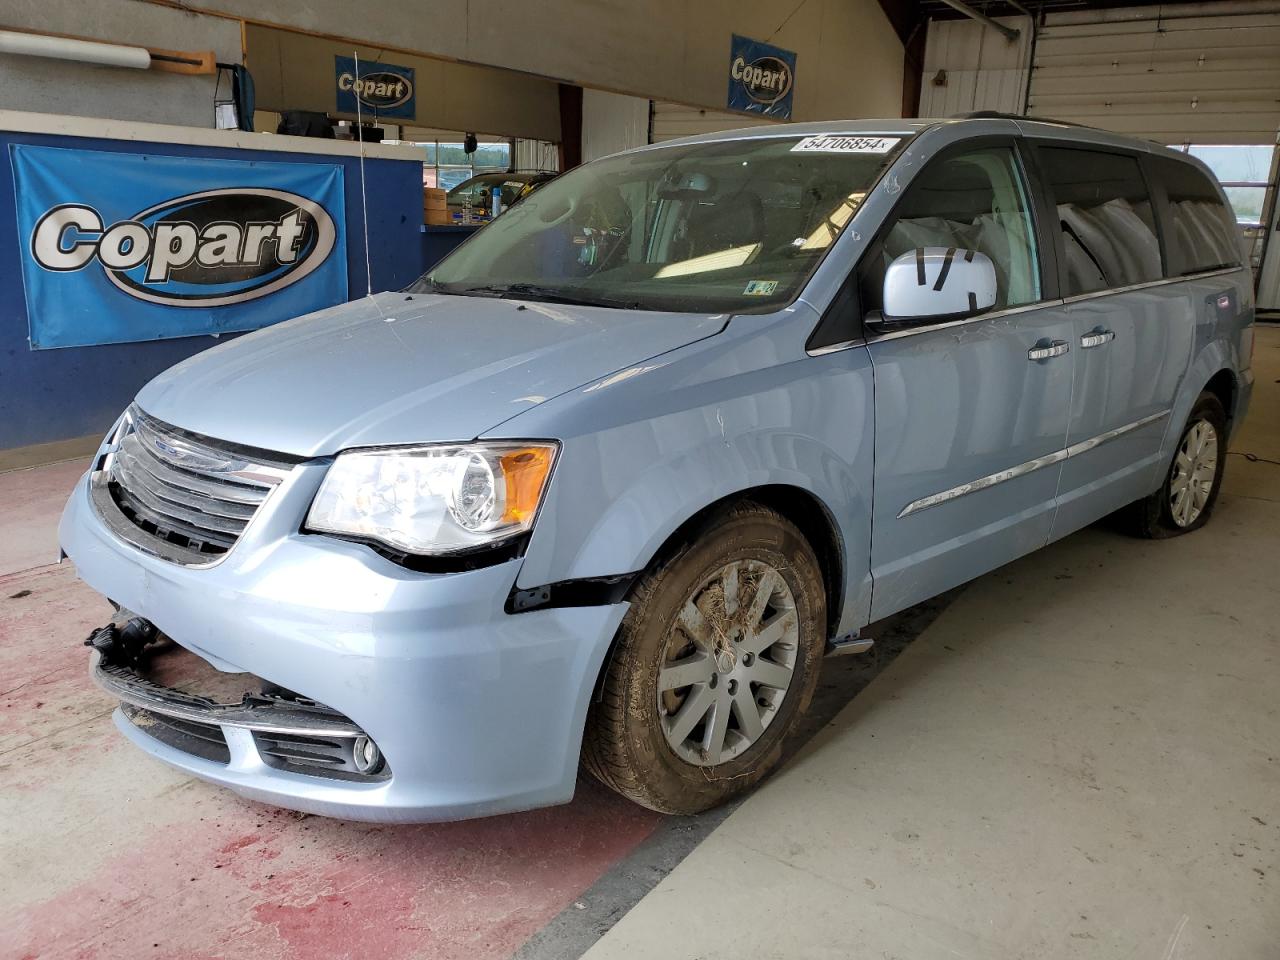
(117, 247)
(212, 248)
(766, 80)
(382, 89)
(761, 78)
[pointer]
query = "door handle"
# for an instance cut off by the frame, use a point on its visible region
(1096, 338)
(1047, 351)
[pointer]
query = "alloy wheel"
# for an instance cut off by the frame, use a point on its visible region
(730, 658)
(1195, 470)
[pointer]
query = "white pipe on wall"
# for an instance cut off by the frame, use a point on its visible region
(83, 51)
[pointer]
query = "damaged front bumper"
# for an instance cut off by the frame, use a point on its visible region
(284, 731)
(474, 711)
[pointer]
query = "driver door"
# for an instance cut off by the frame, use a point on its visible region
(971, 414)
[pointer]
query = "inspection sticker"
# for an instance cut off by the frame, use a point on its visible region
(760, 288)
(845, 143)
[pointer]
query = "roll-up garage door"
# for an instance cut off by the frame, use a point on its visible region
(671, 120)
(1160, 73)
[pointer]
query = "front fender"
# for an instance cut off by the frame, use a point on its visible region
(646, 449)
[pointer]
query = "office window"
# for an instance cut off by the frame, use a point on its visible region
(1104, 212)
(446, 164)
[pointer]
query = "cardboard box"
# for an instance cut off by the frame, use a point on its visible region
(435, 207)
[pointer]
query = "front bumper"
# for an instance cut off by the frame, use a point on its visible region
(476, 711)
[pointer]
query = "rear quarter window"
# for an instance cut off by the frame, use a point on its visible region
(1202, 231)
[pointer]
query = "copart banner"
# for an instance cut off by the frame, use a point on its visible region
(120, 247)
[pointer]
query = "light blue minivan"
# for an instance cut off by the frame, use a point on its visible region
(604, 486)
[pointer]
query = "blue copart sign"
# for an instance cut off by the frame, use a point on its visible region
(118, 248)
(382, 89)
(762, 78)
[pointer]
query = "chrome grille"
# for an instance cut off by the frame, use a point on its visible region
(177, 495)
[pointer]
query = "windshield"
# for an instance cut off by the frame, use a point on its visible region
(727, 226)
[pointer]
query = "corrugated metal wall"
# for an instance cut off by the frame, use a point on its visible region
(1173, 78)
(969, 67)
(537, 155)
(612, 122)
(673, 120)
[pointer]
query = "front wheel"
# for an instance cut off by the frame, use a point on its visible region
(713, 665)
(1190, 490)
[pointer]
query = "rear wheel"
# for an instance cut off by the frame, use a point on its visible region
(713, 665)
(1190, 490)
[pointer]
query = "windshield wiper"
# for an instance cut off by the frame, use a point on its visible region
(532, 291)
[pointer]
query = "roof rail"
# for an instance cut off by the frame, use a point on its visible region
(997, 115)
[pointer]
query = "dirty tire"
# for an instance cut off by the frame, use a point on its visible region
(1152, 517)
(626, 745)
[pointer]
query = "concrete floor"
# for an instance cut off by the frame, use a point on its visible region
(1078, 756)
(105, 853)
(33, 500)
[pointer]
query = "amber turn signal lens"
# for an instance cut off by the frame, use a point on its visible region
(525, 474)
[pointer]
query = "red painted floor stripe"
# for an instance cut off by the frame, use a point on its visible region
(256, 882)
(109, 854)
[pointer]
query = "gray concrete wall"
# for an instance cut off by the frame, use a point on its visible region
(850, 59)
(59, 86)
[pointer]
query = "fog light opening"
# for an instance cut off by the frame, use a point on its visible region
(366, 755)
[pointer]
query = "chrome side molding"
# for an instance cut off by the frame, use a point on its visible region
(1085, 445)
(1022, 469)
(914, 331)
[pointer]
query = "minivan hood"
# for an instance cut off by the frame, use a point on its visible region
(394, 368)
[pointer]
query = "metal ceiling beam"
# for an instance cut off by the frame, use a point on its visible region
(904, 16)
(1009, 33)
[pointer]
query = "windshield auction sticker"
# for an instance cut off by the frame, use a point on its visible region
(845, 143)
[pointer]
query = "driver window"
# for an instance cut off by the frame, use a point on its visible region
(970, 201)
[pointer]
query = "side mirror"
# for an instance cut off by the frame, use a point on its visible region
(938, 283)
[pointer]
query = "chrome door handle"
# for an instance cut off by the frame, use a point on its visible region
(1096, 338)
(1055, 348)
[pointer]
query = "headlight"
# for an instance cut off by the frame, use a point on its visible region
(434, 500)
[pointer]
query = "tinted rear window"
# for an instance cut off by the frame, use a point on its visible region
(1104, 212)
(1202, 232)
